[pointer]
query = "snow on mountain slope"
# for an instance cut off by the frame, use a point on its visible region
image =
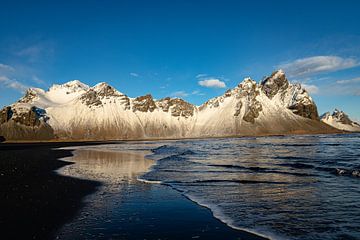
(102, 112)
(76, 111)
(272, 107)
(338, 119)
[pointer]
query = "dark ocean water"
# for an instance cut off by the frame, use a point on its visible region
(285, 187)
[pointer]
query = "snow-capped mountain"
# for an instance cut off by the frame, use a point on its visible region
(338, 119)
(76, 111)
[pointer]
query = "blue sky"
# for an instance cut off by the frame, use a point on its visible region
(192, 49)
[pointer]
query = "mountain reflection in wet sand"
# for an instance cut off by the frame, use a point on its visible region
(107, 166)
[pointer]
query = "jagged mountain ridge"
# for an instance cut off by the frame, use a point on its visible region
(76, 111)
(340, 120)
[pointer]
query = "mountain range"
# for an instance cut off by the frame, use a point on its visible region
(76, 111)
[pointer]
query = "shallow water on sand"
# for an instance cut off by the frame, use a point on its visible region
(285, 187)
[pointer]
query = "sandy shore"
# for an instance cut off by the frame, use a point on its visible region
(110, 203)
(34, 200)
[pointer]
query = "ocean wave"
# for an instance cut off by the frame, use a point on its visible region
(242, 181)
(140, 179)
(218, 213)
(290, 158)
(173, 150)
(297, 165)
(262, 170)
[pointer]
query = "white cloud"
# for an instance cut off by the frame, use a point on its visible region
(317, 64)
(179, 94)
(312, 89)
(133, 74)
(201, 75)
(212, 83)
(12, 83)
(6, 67)
(347, 81)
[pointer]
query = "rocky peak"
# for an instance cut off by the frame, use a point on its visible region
(340, 120)
(339, 116)
(105, 90)
(144, 104)
(247, 87)
(29, 96)
(277, 82)
(293, 96)
(177, 107)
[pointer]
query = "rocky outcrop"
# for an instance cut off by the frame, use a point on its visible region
(30, 118)
(177, 106)
(144, 104)
(249, 91)
(25, 124)
(91, 98)
(102, 94)
(274, 84)
(5, 115)
(302, 104)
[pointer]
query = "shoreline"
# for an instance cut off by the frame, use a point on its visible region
(213, 212)
(116, 141)
(232, 232)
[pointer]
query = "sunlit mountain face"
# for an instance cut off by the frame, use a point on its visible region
(76, 111)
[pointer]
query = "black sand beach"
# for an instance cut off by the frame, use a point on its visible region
(36, 202)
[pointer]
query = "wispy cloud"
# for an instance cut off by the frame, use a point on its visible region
(179, 94)
(4, 67)
(38, 52)
(347, 81)
(37, 80)
(317, 64)
(13, 84)
(17, 78)
(133, 74)
(31, 51)
(212, 83)
(343, 87)
(186, 94)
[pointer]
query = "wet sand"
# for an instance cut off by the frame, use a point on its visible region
(34, 200)
(38, 203)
